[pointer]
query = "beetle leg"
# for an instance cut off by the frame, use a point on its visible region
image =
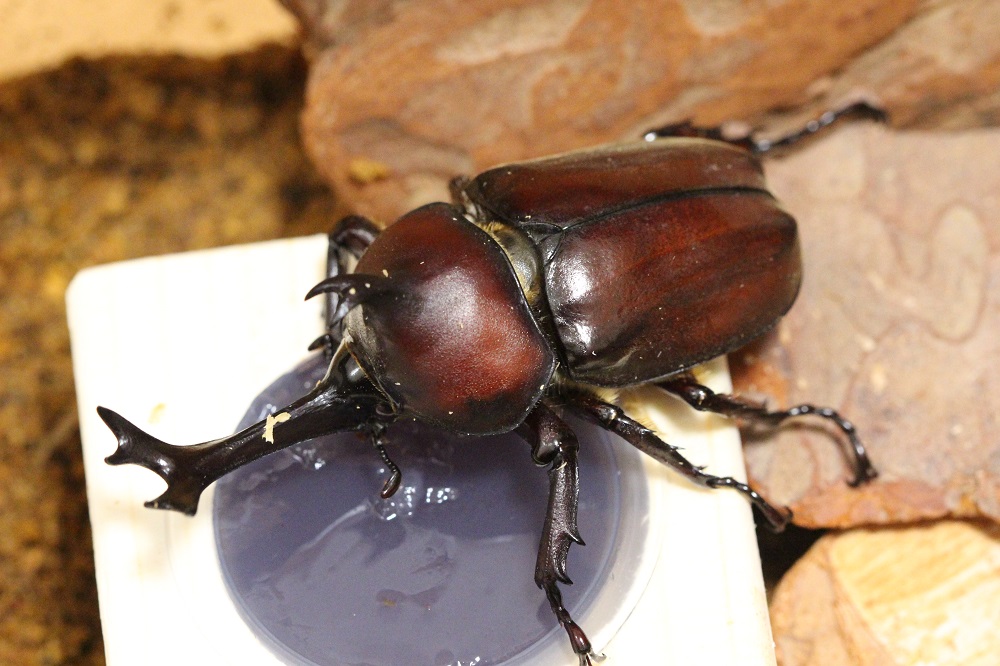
(350, 289)
(348, 241)
(377, 436)
(613, 419)
(553, 443)
(759, 145)
(704, 399)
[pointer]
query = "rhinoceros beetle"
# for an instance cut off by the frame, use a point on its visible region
(541, 283)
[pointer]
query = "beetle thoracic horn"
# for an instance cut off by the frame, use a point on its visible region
(353, 288)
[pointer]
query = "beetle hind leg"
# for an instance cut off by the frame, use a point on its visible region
(553, 443)
(759, 145)
(857, 110)
(704, 399)
(613, 419)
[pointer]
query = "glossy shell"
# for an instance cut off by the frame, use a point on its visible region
(454, 342)
(657, 256)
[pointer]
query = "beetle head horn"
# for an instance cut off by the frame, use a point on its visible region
(336, 404)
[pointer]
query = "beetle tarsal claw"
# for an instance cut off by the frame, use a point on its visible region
(325, 340)
(391, 484)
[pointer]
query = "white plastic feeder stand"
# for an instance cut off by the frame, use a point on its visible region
(165, 342)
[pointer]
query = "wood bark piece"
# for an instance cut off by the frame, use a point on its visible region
(896, 325)
(43, 34)
(431, 89)
(924, 594)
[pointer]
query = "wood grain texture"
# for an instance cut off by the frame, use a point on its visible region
(924, 594)
(895, 325)
(435, 88)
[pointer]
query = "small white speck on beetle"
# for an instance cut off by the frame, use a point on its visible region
(368, 285)
(451, 412)
(272, 421)
(385, 272)
(352, 291)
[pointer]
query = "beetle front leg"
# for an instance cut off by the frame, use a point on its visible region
(553, 443)
(348, 240)
(376, 434)
(613, 419)
(705, 399)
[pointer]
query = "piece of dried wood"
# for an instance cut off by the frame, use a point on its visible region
(434, 88)
(896, 325)
(923, 594)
